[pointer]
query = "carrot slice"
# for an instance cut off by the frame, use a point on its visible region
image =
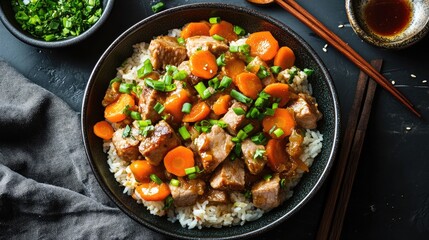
(114, 112)
(282, 119)
(249, 84)
(224, 29)
(278, 90)
(277, 155)
(203, 64)
(103, 130)
(221, 105)
(285, 58)
(198, 112)
(173, 104)
(142, 170)
(178, 159)
(263, 44)
(234, 67)
(152, 191)
(195, 29)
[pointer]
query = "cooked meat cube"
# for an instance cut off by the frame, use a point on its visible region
(112, 94)
(230, 176)
(162, 140)
(267, 194)
(213, 147)
(165, 50)
(216, 196)
(256, 64)
(255, 164)
(126, 148)
(147, 101)
(191, 79)
(233, 121)
(186, 194)
(306, 112)
(205, 43)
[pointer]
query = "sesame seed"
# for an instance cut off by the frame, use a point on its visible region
(424, 81)
(324, 49)
(340, 26)
(408, 128)
(393, 82)
(413, 76)
(326, 45)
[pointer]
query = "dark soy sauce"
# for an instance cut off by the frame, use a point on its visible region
(388, 17)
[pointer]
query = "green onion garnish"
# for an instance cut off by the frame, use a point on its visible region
(145, 69)
(180, 75)
(269, 112)
(267, 177)
(168, 202)
(174, 182)
(155, 178)
(202, 90)
(125, 88)
(192, 176)
(218, 37)
(126, 132)
(275, 106)
(253, 113)
(184, 133)
(259, 139)
(159, 108)
(214, 20)
(145, 130)
(308, 71)
(248, 128)
(241, 135)
(259, 153)
(135, 115)
(214, 83)
(240, 97)
(275, 69)
(233, 48)
(278, 132)
(263, 72)
(245, 48)
(225, 82)
(239, 30)
(220, 61)
(181, 40)
(237, 149)
(191, 170)
(239, 111)
(114, 80)
(186, 108)
(158, 7)
(283, 183)
(144, 123)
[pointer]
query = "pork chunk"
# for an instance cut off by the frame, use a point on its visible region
(233, 121)
(191, 79)
(306, 112)
(165, 50)
(186, 194)
(162, 140)
(230, 176)
(205, 43)
(255, 164)
(147, 101)
(254, 67)
(126, 148)
(213, 147)
(267, 194)
(216, 196)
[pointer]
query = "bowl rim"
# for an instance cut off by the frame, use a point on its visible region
(328, 79)
(27, 38)
(398, 44)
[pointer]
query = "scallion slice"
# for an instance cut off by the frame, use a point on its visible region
(308, 71)
(186, 108)
(174, 182)
(275, 69)
(159, 108)
(239, 30)
(145, 69)
(202, 90)
(181, 40)
(269, 112)
(168, 202)
(259, 153)
(184, 133)
(259, 139)
(135, 115)
(180, 75)
(191, 170)
(125, 88)
(268, 177)
(214, 20)
(158, 7)
(218, 37)
(225, 82)
(155, 178)
(239, 111)
(220, 61)
(278, 132)
(248, 128)
(126, 132)
(241, 135)
(263, 72)
(240, 97)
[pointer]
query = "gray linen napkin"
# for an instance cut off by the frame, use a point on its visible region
(47, 189)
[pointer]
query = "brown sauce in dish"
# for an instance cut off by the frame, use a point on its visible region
(388, 17)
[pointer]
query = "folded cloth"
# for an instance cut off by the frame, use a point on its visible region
(47, 189)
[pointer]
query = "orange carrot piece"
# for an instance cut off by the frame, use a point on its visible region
(263, 44)
(114, 112)
(178, 159)
(234, 67)
(221, 105)
(151, 191)
(276, 155)
(278, 90)
(142, 170)
(249, 84)
(173, 104)
(103, 130)
(195, 29)
(285, 58)
(203, 64)
(283, 119)
(224, 29)
(198, 112)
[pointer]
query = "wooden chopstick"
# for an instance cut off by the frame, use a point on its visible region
(310, 21)
(347, 163)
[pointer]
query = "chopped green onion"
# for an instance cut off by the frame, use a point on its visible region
(267, 177)
(220, 123)
(114, 80)
(184, 133)
(241, 135)
(180, 75)
(237, 149)
(292, 73)
(235, 140)
(160, 85)
(225, 82)
(135, 115)
(126, 132)
(168, 202)
(159, 108)
(269, 112)
(263, 72)
(283, 183)
(155, 178)
(214, 20)
(158, 7)
(137, 89)
(202, 90)
(248, 128)
(308, 71)
(191, 170)
(259, 153)
(214, 83)
(245, 48)
(218, 37)
(240, 97)
(170, 69)
(275, 69)
(192, 176)
(175, 182)
(145, 69)
(145, 130)
(239, 111)
(239, 30)
(125, 88)
(203, 126)
(181, 40)
(278, 132)
(220, 61)
(186, 108)
(272, 129)
(275, 106)
(233, 48)
(259, 139)
(253, 113)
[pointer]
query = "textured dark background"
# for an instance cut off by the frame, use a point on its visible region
(390, 198)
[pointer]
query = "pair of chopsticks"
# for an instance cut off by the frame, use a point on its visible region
(310, 21)
(336, 205)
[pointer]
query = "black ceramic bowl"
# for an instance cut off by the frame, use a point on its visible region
(158, 24)
(7, 16)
